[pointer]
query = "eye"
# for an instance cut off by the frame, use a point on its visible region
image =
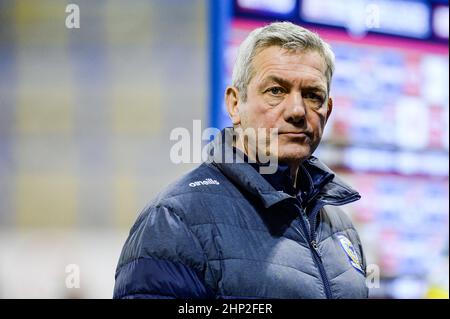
(313, 96)
(276, 90)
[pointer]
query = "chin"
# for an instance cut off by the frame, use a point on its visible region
(293, 153)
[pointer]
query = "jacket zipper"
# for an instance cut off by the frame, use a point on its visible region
(316, 256)
(311, 237)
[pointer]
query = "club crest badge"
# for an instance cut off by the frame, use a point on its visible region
(350, 251)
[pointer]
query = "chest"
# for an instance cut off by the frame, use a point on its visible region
(252, 261)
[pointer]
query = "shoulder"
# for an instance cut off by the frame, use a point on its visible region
(168, 222)
(205, 179)
(337, 218)
(189, 198)
(201, 187)
(336, 221)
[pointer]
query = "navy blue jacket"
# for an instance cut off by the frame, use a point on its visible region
(225, 231)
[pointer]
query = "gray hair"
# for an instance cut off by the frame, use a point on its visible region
(283, 34)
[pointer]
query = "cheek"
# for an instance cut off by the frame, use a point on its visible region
(256, 115)
(270, 118)
(318, 121)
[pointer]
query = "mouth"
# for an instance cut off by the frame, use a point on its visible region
(301, 135)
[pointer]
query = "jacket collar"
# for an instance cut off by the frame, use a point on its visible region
(323, 185)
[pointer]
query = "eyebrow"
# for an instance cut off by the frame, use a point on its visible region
(286, 83)
(276, 79)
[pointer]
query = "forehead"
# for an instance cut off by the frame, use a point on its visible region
(293, 65)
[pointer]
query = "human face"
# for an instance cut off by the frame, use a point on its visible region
(288, 92)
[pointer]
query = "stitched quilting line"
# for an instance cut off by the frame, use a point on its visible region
(335, 277)
(268, 262)
(282, 236)
(338, 231)
(194, 267)
(251, 229)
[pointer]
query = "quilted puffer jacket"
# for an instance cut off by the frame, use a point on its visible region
(223, 231)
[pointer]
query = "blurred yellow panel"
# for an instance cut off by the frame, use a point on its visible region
(40, 22)
(436, 292)
(128, 22)
(49, 200)
(136, 110)
(125, 200)
(45, 111)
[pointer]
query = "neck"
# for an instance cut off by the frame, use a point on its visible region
(240, 145)
(293, 166)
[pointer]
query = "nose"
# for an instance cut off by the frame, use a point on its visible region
(295, 110)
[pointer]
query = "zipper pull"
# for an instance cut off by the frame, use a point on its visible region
(316, 248)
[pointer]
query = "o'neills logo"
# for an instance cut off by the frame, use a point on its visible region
(208, 181)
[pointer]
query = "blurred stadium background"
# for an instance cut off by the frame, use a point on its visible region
(85, 118)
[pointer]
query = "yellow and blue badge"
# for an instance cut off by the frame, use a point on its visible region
(350, 252)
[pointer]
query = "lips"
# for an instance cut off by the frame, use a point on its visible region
(296, 134)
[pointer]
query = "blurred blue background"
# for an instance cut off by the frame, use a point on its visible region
(86, 115)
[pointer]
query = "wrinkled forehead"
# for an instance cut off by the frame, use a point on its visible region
(278, 59)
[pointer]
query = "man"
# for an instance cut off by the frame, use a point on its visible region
(225, 230)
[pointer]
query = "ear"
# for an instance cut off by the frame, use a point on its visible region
(232, 103)
(330, 108)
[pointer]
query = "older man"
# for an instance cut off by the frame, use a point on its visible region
(225, 230)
